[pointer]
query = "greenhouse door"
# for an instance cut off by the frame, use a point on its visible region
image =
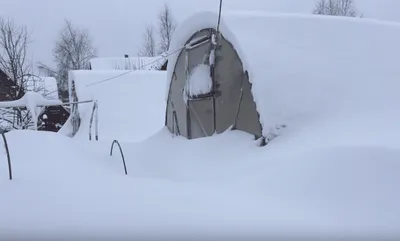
(201, 117)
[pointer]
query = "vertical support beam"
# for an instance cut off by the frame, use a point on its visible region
(212, 61)
(187, 84)
(96, 123)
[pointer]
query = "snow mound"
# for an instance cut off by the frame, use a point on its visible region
(131, 105)
(299, 67)
(199, 81)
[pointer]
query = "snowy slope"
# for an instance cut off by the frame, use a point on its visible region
(220, 187)
(131, 106)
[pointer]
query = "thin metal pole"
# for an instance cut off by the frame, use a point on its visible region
(122, 154)
(96, 121)
(8, 156)
(219, 15)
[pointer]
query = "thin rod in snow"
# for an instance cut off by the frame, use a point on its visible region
(93, 116)
(122, 154)
(8, 156)
(219, 15)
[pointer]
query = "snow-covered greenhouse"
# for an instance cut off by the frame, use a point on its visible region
(252, 74)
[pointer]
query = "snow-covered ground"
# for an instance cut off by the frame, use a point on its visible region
(329, 174)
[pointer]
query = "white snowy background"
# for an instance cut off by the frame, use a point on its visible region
(117, 26)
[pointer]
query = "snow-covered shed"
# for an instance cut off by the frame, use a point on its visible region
(268, 71)
(128, 63)
(126, 110)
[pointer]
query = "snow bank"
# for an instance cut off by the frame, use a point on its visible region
(131, 106)
(306, 67)
(131, 63)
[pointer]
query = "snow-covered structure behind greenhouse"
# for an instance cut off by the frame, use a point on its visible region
(123, 114)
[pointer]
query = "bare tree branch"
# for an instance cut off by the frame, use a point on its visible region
(149, 43)
(167, 27)
(73, 50)
(14, 40)
(336, 8)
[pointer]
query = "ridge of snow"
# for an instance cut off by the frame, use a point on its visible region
(130, 63)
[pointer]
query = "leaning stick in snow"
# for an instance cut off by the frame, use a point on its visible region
(8, 156)
(122, 154)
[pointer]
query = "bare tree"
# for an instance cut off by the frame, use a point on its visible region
(336, 8)
(167, 27)
(73, 50)
(149, 48)
(14, 40)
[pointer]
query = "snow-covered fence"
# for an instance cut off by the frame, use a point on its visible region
(34, 102)
(8, 156)
(122, 154)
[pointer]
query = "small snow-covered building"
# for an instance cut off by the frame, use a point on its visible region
(128, 63)
(130, 104)
(263, 72)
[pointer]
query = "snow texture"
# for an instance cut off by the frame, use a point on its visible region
(303, 52)
(50, 88)
(216, 186)
(46, 86)
(124, 112)
(199, 81)
(130, 63)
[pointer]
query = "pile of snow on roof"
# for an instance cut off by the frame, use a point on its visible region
(130, 63)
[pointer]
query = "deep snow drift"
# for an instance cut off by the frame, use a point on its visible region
(131, 106)
(224, 186)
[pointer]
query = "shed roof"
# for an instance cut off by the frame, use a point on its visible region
(131, 63)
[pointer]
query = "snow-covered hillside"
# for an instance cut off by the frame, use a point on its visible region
(333, 172)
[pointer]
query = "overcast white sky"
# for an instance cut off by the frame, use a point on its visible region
(116, 25)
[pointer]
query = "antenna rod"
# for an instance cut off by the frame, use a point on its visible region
(219, 15)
